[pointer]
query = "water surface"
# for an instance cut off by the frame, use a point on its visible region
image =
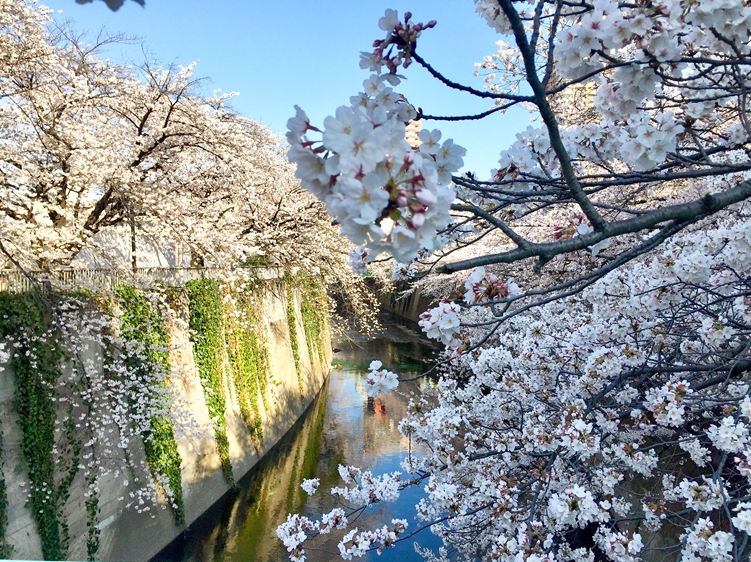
(342, 426)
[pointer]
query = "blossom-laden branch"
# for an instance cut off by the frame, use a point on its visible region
(622, 355)
(90, 148)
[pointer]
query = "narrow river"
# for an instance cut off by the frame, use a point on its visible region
(342, 426)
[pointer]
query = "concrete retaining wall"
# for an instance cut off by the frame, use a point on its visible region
(408, 307)
(127, 534)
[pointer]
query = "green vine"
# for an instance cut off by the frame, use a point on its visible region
(218, 326)
(142, 324)
(36, 364)
(247, 354)
(206, 323)
(313, 308)
(292, 324)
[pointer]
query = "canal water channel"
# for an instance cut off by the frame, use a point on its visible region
(342, 426)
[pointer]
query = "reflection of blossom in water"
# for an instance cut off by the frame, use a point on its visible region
(353, 429)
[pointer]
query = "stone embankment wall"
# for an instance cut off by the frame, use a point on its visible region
(409, 307)
(295, 363)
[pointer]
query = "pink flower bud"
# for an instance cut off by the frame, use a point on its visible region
(426, 197)
(417, 220)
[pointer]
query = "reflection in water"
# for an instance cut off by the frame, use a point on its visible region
(342, 426)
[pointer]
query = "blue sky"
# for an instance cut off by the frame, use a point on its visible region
(306, 52)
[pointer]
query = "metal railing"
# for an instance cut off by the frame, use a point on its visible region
(15, 281)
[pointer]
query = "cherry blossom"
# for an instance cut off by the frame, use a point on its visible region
(380, 380)
(602, 337)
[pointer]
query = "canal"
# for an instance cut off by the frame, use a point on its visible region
(342, 426)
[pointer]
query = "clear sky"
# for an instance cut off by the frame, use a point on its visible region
(306, 52)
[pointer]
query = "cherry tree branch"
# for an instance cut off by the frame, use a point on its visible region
(703, 207)
(468, 89)
(548, 117)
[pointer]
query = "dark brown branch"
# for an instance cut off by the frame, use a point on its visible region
(548, 117)
(463, 88)
(703, 207)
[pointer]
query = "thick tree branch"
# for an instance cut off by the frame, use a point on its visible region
(703, 207)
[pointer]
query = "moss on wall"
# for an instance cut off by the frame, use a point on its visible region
(292, 325)
(314, 307)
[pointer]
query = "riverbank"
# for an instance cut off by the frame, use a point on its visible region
(242, 366)
(342, 426)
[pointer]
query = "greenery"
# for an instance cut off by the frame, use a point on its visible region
(24, 319)
(206, 329)
(143, 324)
(292, 324)
(247, 354)
(5, 549)
(92, 515)
(224, 323)
(257, 261)
(313, 308)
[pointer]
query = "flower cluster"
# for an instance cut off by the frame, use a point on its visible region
(297, 529)
(618, 547)
(574, 507)
(703, 542)
(358, 544)
(481, 287)
(442, 322)
(730, 435)
(380, 380)
(395, 49)
(358, 260)
(386, 195)
(402, 271)
(665, 404)
(367, 488)
(310, 485)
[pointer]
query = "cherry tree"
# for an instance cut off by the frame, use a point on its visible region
(92, 146)
(593, 400)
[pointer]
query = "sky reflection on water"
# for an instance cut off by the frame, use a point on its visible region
(343, 426)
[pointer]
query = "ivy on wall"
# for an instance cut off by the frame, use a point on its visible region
(39, 352)
(24, 319)
(144, 325)
(314, 306)
(206, 333)
(313, 309)
(292, 324)
(247, 354)
(228, 338)
(225, 322)
(5, 549)
(92, 515)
